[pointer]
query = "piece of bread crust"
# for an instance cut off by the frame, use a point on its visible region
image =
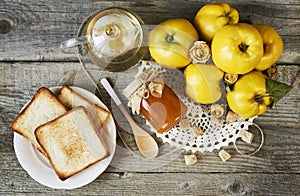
(43, 107)
(72, 142)
(71, 99)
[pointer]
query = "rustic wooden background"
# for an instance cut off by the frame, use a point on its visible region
(30, 34)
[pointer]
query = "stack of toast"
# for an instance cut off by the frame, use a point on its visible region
(67, 129)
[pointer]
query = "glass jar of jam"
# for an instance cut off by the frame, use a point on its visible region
(164, 112)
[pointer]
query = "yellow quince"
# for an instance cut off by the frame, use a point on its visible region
(253, 93)
(203, 83)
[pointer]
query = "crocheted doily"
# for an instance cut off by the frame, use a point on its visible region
(215, 135)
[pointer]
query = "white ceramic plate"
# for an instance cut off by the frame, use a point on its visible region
(39, 168)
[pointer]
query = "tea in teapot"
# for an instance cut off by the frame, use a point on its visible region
(113, 39)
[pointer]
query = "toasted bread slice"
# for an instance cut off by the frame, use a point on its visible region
(72, 99)
(43, 107)
(72, 142)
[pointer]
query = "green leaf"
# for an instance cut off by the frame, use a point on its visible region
(277, 90)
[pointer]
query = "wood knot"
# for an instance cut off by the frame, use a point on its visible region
(237, 188)
(5, 26)
(185, 186)
(8, 21)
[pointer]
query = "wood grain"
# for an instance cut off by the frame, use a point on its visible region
(280, 152)
(162, 184)
(30, 34)
(40, 27)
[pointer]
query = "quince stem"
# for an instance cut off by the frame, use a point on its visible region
(227, 88)
(259, 98)
(243, 47)
(170, 39)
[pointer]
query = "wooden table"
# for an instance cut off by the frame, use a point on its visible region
(30, 34)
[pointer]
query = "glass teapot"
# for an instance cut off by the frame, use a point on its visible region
(112, 38)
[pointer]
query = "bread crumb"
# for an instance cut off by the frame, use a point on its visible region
(184, 124)
(231, 117)
(247, 136)
(224, 155)
(197, 131)
(190, 159)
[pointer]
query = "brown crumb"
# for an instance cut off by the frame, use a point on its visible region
(184, 124)
(224, 155)
(247, 136)
(231, 117)
(197, 131)
(190, 159)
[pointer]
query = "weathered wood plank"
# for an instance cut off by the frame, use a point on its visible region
(280, 153)
(31, 31)
(15, 181)
(41, 26)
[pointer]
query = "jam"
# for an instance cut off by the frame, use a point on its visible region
(164, 112)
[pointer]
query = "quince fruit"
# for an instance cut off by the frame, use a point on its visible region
(170, 41)
(237, 48)
(203, 83)
(253, 93)
(211, 17)
(273, 46)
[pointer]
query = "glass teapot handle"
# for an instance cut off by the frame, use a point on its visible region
(66, 46)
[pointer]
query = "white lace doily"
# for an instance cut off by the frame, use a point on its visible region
(215, 135)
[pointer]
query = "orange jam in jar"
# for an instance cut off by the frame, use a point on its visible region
(164, 112)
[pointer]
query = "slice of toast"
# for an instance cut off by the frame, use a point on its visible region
(72, 99)
(72, 142)
(43, 107)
